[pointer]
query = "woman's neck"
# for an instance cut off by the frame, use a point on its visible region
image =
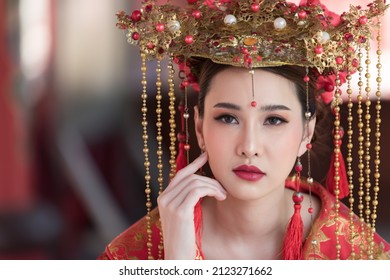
(250, 224)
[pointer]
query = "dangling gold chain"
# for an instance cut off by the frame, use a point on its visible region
(367, 155)
(337, 140)
(360, 148)
(172, 122)
(349, 165)
(145, 137)
(159, 139)
(377, 136)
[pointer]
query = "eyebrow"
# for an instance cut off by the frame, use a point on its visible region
(266, 108)
(227, 105)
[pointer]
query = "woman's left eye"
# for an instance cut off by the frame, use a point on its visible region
(274, 121)
(227, 119)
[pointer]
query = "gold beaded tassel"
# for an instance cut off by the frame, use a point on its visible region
(159, 139)
(367, 155)
(337, 162)
(349, 165)
(360, 124)
(172, 122)
(378, 108)
(145, 137)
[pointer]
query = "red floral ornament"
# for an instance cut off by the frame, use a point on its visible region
(326, 85)
(211, 3)
(332, 18)
(190, 79)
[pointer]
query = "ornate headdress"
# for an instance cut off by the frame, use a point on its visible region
(261, 33)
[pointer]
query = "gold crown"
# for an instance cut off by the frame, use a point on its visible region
(253, 33)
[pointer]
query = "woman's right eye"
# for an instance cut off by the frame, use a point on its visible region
(227, 119)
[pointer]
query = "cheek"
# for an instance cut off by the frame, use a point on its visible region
(287, 147)
(214, 139)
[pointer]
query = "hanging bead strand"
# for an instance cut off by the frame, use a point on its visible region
(349, 166)
(367, 156)
(172, 122)
(186, 116)
(145, 137)
(360, 148)
(159, 139)
(309, 147)
(378, 120)
(337, 162)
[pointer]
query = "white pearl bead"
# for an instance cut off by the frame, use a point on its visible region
(280, 23)
(230, 20)
(325, 37)
(173, 26)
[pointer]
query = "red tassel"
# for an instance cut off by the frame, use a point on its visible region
(343, 183)
(292, 244)
(198, 226)
(181, 160)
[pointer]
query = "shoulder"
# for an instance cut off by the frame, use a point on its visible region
(321, 241)
(132, 243)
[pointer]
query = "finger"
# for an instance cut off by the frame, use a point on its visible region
(174, 197)
(188, 183)
(189, 169)
(188, 203)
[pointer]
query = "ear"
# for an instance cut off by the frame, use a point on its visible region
(199, 128)
(307, 136)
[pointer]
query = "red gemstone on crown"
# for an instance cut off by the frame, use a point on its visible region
(319, 50)
(363, 20)
(160, 27)
(255, 7)
(302, 14)
(339, 60)
(135, 36)
(136, 16)
(189, 39)
(197, 14)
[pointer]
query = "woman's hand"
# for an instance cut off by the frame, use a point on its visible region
(176, 206)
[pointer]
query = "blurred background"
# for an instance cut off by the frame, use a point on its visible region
(71, 162)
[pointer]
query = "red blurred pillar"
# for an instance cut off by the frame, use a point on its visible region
(16, 192)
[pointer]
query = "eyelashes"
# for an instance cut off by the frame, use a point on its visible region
(270, 120)
(226, 118)
(275, 120)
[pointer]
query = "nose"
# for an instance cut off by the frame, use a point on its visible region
(249, 142)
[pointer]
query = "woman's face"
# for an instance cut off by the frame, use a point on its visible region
(251, 150)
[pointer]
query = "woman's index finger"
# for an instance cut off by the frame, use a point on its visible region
(190, 168)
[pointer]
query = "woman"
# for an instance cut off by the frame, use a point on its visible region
(247, 205)
(259, 102)
(251, 151)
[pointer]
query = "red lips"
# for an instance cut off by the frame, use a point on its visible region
(248, 172)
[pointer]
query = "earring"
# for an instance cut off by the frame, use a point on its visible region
(292, 244)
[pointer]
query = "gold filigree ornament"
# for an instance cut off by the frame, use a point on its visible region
(252, 33)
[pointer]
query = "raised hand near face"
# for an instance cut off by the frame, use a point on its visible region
(176, 206)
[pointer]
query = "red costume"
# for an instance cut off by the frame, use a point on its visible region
(320, 243)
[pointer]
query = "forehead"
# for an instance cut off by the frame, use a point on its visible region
(235, 85)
